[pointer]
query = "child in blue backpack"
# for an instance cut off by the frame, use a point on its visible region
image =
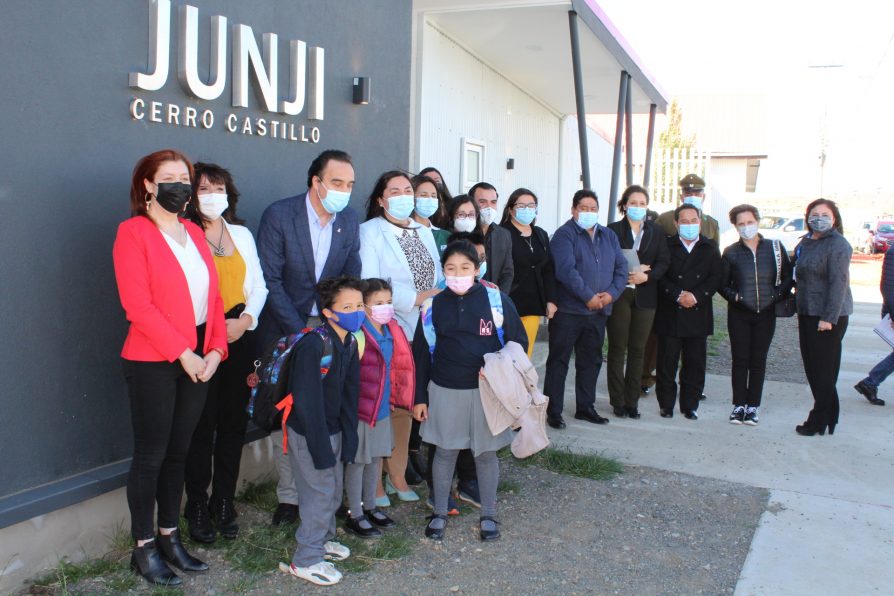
(322, 427)
(464, 322)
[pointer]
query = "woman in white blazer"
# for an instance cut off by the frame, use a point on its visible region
(396, 248)
(216, 447)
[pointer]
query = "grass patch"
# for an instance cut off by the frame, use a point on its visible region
(261, 495)
(563, 461)
(259, 548)
(390, 547)
(508, 486)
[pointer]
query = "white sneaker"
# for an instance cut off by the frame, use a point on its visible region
(335, 551)
(322, 574)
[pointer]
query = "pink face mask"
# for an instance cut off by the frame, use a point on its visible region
(381, 313)
(460, 285)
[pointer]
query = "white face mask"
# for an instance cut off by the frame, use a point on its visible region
(748, 232)
(487, 215)
(213, 204)
(464, 224)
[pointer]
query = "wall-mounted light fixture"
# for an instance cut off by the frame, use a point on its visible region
(510, 163)
(361, 91)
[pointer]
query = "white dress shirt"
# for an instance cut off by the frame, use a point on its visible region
(196, 272)
(320, 240)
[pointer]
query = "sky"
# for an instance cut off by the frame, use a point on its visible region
(761, 46)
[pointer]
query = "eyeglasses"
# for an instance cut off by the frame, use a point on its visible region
(465, 216)
(526, 205)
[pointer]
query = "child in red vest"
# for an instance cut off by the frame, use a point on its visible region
(387, 381)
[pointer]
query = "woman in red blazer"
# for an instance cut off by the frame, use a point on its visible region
(177, 337)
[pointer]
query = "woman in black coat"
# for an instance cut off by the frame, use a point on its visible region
(633, 313)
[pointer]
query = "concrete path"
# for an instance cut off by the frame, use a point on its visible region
(828, 528)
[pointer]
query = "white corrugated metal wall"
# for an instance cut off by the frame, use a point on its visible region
(462, 97)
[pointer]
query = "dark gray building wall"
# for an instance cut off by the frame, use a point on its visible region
(69, 146)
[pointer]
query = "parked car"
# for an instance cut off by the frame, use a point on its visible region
(786, 229)
(877, 237)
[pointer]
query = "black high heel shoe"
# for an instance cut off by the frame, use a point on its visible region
(808, 430)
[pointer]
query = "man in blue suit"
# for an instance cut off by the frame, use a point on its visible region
(301, 240)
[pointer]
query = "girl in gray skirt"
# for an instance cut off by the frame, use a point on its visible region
(467, 321)
(387, 381)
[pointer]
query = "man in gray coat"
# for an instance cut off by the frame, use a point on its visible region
(497, 241)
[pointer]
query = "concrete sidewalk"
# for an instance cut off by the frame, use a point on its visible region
(828, 527)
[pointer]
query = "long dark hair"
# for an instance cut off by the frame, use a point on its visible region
(373, 209)
(439, 216)
(215, 175)
(513, 199)
(837, 225)
(457, 202)
(622, 202)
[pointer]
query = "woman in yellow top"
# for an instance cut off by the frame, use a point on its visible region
(220, 433)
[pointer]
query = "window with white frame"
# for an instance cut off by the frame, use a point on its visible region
(471, 163)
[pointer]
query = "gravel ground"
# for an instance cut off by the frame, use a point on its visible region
(645, 531)
(783, 360)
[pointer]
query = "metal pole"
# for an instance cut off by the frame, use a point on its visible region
(616, 159)
(647, 173)
(579, 99)
(628, 127)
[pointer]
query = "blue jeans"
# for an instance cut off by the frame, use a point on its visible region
(880, 371)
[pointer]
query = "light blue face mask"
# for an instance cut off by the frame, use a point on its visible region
(693, 200)
(689, 231)
(482, 270)
(335, 200)
(426, 206)
(401, 206)
(636, 213)
(525, 215)
(587, 219)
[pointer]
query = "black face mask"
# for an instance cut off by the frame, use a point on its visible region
(173, 196)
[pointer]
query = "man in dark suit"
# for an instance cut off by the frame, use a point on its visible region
(301, 240)
(685, 317)
(497, 240)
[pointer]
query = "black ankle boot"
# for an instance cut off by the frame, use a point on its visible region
(224, 515)
(147, 561)
(173, 552)
(198, 521)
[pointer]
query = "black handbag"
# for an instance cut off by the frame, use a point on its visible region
(785, 306)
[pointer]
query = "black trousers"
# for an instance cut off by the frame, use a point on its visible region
(750, 335)
(583, 334)
(216, 448)
(821, 353)
(694, 351)
(165, 406)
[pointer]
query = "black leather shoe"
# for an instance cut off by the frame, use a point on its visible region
(619, 412)
(198, 521)
(633, 413)
(224, 516)
(147, 561)
(435, 533)
(690, 414)
(555, 422)
(702, 397)
(809, 430)
(357, 527)
(870, 393)
(488, 535)
(665, 413)
(590, 416)
(378, 518)
(285, 514)
(173, 552)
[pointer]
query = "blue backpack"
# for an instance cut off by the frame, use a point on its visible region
(496, 307)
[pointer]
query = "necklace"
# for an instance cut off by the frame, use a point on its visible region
(219, 247)
(528, 241)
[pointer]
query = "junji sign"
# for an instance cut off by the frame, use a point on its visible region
(304, 92)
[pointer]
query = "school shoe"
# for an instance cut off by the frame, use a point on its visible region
(435, 527)
(869, 392)
(633, 413)
(285, 514)
(361, 527)
(336, 551)
(198, 522)
(468, 491)
(751, 416)
(407, 496)
(590, 415)
(147, 561)
(619, 412)
(378, 518)
(666, 413)
(738, 415)
(488, 529)
(690, 414)
(452, 508)
(175, 554)
(322, 573)
(557, 422)
(224, 516)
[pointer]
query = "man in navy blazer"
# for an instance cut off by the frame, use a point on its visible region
(301, 240)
